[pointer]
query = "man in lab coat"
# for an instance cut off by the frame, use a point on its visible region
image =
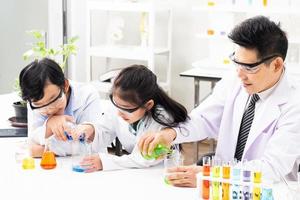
(263, 132)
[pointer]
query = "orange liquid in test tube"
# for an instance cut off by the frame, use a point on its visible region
(205, 183)
(225, 186)
(48, 160)
(205, 189)
(206, 170)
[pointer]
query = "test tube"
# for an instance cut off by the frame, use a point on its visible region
(267, 193)
(216, 170)
(206, 172)
(257, 182)
(236, 178)
(246, 179)
(226, 176)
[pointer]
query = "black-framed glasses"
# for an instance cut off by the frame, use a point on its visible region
(251, 67)
(51, 102)
(128, 110)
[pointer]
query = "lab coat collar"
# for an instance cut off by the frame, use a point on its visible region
(277, 98)
(73, 103)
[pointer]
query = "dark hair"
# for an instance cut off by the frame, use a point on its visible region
(261, 34)
(35, 76)
(137, 84)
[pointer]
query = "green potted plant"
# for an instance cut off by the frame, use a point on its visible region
(39, 50)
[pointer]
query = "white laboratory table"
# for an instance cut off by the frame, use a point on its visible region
(62, 183)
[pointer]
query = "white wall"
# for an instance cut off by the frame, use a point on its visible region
(17, 16)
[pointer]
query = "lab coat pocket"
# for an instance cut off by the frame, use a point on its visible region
(259, 144)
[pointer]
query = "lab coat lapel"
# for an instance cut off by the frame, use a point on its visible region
(271, 112)
(238, 112)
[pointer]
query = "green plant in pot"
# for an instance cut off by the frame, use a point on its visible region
(39, 50)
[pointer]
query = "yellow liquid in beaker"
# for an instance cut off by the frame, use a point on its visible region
(28, 163)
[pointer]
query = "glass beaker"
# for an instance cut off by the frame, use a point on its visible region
(21, 151)
(172, 159)
(48, 159)
(80, 149)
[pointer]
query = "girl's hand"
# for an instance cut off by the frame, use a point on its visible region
(92, 163)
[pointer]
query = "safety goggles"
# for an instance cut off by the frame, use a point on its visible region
(51, 105)
(127, 110)
(250, 68)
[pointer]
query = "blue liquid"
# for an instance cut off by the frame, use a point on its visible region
(267, 194)
(77, 168)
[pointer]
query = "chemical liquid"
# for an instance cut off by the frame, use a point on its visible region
(158, 151)
(205, 189)
(28, 163)
(257, 177)
(48, 160)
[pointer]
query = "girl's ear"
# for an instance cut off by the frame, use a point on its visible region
(149, 105)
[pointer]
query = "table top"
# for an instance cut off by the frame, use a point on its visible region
(205, 72)
(63, 183)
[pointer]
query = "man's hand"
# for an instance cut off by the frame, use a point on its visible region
(183, 176)
(150, 140)
(57, 125)
(92, 163)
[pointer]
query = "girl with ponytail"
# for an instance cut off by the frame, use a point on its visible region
(138, 105)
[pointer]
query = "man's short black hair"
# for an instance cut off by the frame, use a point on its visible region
(261, 34)
(36, 75)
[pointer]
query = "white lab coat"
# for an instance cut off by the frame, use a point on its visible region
(274, 138)
(111, 126)
(84, 105)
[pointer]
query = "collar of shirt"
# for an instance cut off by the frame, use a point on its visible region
(265, 94)
(70, 106)
(142, 125)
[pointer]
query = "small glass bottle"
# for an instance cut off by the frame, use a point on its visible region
(48, 159)
(172, 159)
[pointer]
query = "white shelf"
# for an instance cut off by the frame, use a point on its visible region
(125, 52)
(249, 9)
(132, 52)
(127, 6)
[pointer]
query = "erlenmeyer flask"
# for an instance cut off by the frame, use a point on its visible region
(48, 159)
(159, 150)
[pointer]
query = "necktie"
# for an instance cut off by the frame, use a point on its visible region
(245, 127)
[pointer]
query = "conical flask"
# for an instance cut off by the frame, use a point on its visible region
(48, 159)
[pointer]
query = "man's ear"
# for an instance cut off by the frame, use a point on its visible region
(67, 86)
(278, 64)
(149, 105)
